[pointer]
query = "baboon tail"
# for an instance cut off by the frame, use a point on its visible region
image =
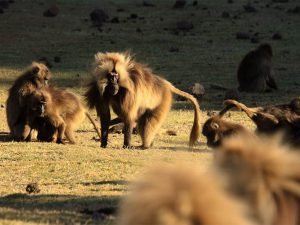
(251, 112)
(94, 124)
(196, 129)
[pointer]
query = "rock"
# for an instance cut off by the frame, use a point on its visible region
(148, 3)
(133, 16)
(232, 94)
(242, 35)
(52, 11)
(294, 10)
(225, 15)
(32, 188)
(98, 16)
(173, 49)
(255, 39)
(179, 4)
(197, 90)
(1, 11)
(57, 59)
(115, 20)
(230, 1)
(184, 25)
(249, 8)
(138, 30)
(4, 4)
(277, 36)
(195, 3)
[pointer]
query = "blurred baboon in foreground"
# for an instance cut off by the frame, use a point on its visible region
(55, 108)
(180, 195)
(35, 76)
(136, 95)
(255, 70)
(216, 129)
(263, 174)
(271, 119)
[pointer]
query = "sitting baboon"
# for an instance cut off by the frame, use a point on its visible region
(180, 195)
(216, 129)
(263, 174)
(59, 111)
(255, 70)
(136, 95)
(34, 77)
(271, 119)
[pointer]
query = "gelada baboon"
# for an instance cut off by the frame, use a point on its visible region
(216, 129)
(263, 174)
(180, 195)
(61, 109)
(271, 119)
(136, 95)
(35, 76)
(255, 70)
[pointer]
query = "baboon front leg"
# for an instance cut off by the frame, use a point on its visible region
(103, 112)
(60, 132)
(128, 128)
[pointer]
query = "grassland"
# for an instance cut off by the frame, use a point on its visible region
(84, 177)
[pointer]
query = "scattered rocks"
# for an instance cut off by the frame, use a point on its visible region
(52, 11)
(32, 188)
(242, 35)
(184, 25)
(232, 94)
(249, 8)
(179, 4)
(98, 16)
(225, 14)
(277, 36)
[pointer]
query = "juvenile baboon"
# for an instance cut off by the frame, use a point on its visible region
(35, 76)
(255, 70)
(271, 119)
(60, 111)
(263, 174)
(136, 95)
(180, 195)
(216, 129)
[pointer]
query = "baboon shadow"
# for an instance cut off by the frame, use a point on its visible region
(57, 209)
(5, 137)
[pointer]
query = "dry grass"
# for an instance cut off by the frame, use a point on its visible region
(84, 176)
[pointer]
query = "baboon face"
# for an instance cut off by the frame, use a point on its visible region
(266, 48)
(113, 86)
(41, 75)
(211, 130)
(37, 104)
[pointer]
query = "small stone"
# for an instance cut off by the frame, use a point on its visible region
(32, 188)
(179, 4)
(225, 15)
(51, 12)
(249, 8)
(57, 59)
(184, 25)
(115, 20)
(277, 36)
(242, 35)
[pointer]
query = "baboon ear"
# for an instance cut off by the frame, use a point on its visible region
(214, 125)
(35, 70)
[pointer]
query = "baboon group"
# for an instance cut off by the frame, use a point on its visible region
(254, 178)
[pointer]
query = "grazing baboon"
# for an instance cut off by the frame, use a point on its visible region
(271, 119)
(136, 95)
(60, 111)
(255, 71)
(180, 195)
(263, 174)
(216, 129)
(35, 76)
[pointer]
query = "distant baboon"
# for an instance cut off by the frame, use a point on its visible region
(180, 195)
(263, 174)
(136, 95)
(255, 71)
(271, 119)
(216, 129)
(35, 76)
(59, 111)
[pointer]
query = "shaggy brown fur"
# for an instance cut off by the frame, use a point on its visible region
(216, 129)
(265, 175)
(56, 110)
(35, 76)
(136, 95)
(276, 118)
(255, 71)
(180, 195)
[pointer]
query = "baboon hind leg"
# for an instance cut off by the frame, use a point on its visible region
(151, 122)
(70, 135)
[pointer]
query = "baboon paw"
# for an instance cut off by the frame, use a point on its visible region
(128, 147)
(60, 142)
